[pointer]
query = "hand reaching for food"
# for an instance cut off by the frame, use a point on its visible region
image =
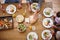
(33, 18)
(19, 6)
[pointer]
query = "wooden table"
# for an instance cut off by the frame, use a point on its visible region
(14, 34)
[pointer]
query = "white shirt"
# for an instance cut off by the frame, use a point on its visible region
(58, 35)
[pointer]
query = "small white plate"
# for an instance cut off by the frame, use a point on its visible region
(48, 10)
(19, 18)
(37, 7)
(27, 20)
(50, 24)
(8, 8)
(49, 34)
(34, 35)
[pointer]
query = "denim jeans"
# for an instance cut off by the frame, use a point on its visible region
(12, 1)
(37, 1)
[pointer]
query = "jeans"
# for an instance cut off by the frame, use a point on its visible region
(12, 1)
(37, 1)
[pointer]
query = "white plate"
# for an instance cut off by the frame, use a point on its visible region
(8, 8)
(49, 34)
(37, 7)
(34, 35)
(47, 10)
(19, 18)
(50, 24)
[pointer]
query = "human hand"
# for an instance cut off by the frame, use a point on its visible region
(53, 26)
(52, 32)
(37, 11)
(19, 6)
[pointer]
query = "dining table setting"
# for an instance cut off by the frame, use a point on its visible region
(21, 24)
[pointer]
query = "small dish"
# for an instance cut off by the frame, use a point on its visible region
(19, 18)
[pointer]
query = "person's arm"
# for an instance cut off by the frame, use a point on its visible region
(28, 3)
(55, 27)
(58, 28)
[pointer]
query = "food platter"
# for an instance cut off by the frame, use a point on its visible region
(6, 22)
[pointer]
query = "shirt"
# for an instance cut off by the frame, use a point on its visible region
(58, 35)
(57, 20)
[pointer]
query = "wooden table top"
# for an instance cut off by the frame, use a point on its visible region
(14, 34)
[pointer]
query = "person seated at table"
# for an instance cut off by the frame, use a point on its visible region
(34, 1)
(56, 32)
(58, 35)
(56, 23)
(57, 19)
(12, 1)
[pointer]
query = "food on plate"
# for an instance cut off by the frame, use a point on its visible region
(47, 22)
(34, 6)
(6, 20)
(21, 27)
(46, 35)
(11, 9)
(19, 18)
(47, 12)
(6, 26)
(32, 36)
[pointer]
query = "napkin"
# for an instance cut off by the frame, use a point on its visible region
(27, 20)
